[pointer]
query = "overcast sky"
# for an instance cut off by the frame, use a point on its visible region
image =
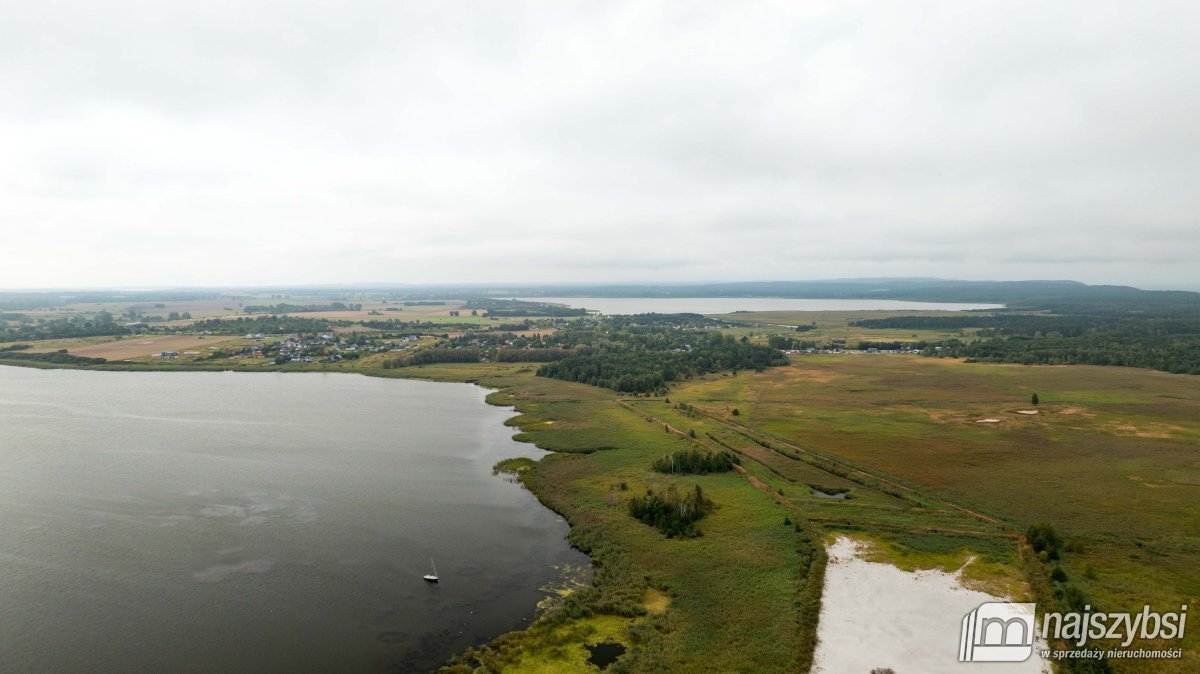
(237, 142)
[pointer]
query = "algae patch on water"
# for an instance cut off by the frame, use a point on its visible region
(570, 648)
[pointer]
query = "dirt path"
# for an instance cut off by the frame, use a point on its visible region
(852, 469)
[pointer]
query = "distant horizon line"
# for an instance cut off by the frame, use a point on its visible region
(376, 285)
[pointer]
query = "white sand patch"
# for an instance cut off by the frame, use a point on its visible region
(1027, 411)
(876, 615)
(988, 421)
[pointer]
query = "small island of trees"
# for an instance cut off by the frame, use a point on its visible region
(696, 462)
(673, 514)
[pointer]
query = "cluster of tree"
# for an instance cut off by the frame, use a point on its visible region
(695, 461)
(1180, 355)
(646, 359)
(434, 355)
(60, 357)
(634, 372)
(1077, 324)
(533, 355)
(1001, 323)
(670, 512)
(790, 344)
(491, 340)
(1167, 340)
(102, 324)
(1045, 541)
(515, 327)
(283, 308)
(396, 324)
(890, 346)
(266, 325)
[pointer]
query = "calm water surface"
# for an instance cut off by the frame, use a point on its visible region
(724, 305)
(258, 522)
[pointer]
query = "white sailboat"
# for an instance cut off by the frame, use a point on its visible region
(432, 576)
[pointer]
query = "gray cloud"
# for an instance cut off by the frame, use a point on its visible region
(150, 143)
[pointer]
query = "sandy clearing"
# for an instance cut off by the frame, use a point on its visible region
(876, 615)
(987, 421)
(1030, 412)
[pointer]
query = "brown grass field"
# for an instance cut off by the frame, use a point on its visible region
(139, 347)
(199, 309)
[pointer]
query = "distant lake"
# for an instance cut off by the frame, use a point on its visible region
(726, 305)
(205, 522)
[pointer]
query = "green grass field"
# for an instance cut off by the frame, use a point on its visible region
(732, 591)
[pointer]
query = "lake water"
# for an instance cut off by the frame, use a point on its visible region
(725, 305)
(259, 523)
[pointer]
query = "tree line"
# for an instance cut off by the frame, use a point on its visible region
(266, 325)
(533, 355)
(696, 462)
(1178, 355)
(433, 355)
(1167, 340)
(642, 370)
(60, 357)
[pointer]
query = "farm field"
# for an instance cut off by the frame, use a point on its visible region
(137, 347)
(199, 309)
(235, 307)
